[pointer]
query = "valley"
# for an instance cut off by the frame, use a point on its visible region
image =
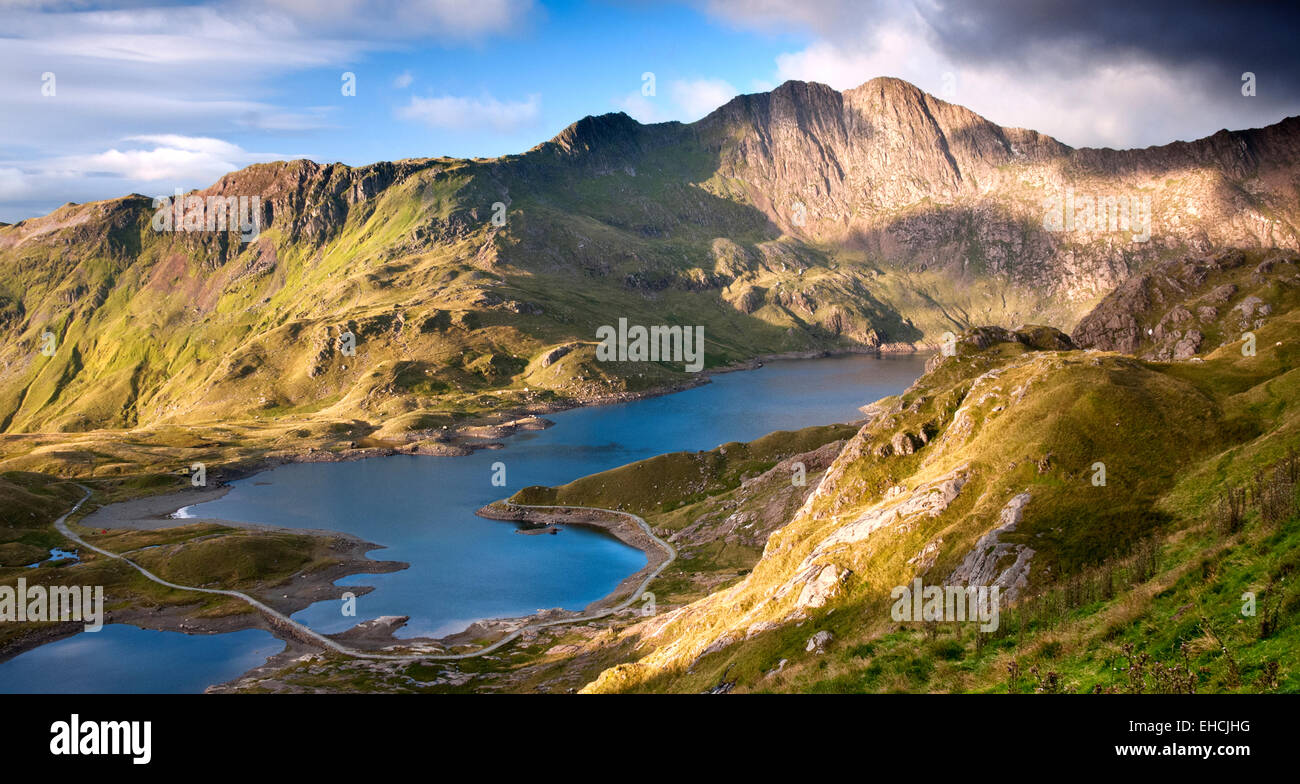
(421, 508)
(1107, 435)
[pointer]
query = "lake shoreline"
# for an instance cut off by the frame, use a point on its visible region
(470, 438)
(612, 523)
(154, 512)
(303, 591)
(484, 431)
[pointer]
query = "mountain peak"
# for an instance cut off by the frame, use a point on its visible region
(614, 130)
(889, 83)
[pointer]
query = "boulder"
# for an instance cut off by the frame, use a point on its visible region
(1189, 345)
(555, 354)
(818, 642)
(903, 443)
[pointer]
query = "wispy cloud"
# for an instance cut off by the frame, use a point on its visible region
(150, 164)
(459, 112)
(455, 19)
(168, 157)
(203, 70)
(686, 100)
(698, 97)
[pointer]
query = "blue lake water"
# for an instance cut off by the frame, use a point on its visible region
(463, 567)
(120, 659)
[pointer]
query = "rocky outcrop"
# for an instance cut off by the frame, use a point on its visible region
(819, 589)
(1188, 345)
(1190, 305)
(818, 642)
(833, 166)
(930, 500)
(553, 355)
(308, 201)
(903, 443)
(986, 563)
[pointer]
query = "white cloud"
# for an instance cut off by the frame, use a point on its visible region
(194, 70)
(698, 97)
(403, 79)
(138, 164)
(198, 144)
(459, 112)
(642, 108)
(1114, 104)
(1063, 91)
(686, 100)
(243, 40)
(408, 18)
(892, 53)
(182, 159)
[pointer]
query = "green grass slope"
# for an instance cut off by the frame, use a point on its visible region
(1140, 577)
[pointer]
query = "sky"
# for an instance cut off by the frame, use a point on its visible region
(100, 99)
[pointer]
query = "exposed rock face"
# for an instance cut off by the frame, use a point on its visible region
(1250, 310)
(1036, 337)
(903, 443)
(767, 207)
(986, 563)
(818, 642)
(1190, 343)
(1221, 294)
(829, 165)
(929, 500)
(818, 590)
(874, 148)
(310, 201)
(551, 356)
(1189, 305)
(752, 525)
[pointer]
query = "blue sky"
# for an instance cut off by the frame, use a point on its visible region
(103, 99)
(572, 60)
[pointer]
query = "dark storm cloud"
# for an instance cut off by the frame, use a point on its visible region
(1222, 40)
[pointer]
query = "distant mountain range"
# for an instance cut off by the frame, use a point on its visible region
(802, 219)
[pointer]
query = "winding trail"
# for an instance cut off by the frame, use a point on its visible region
(303, 633)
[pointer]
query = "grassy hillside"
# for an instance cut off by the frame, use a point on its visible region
(1145, 561)
(667, 482)
(461, 278)
(1133, 586)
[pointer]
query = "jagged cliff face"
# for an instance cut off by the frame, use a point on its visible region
(1193, 305)
(799, 219)
(924, 183)
(856, 156)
